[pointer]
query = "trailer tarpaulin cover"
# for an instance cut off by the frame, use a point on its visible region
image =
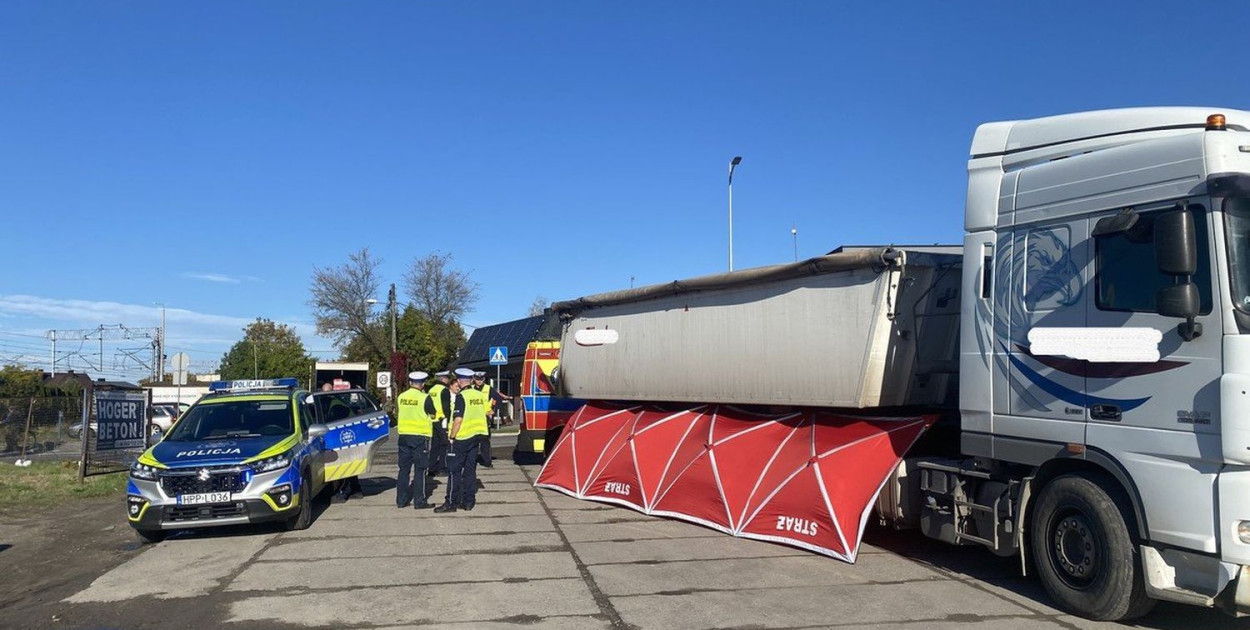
(807, 478)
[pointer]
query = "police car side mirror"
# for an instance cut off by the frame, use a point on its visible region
(317, 430)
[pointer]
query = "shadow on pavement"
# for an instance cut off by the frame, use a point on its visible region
(982, 567)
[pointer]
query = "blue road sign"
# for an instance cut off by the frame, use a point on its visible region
(499, 355)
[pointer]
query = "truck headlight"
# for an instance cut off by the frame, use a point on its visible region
(276, 462)
(1243, 531)
(143, 471)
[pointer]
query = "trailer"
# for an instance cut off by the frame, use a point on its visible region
(340, 375)
(1088, 344)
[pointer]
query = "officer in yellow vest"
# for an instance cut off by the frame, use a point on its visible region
(468, 422)
(483, 449)
(416, 425)
(438, 443)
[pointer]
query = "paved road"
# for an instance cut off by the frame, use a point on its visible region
(528, 558)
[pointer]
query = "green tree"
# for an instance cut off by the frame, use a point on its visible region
(428, 345)
(422, 340)
(21, 381)
(17, 380)
(267, 350)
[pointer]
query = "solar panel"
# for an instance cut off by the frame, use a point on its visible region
(514, 335)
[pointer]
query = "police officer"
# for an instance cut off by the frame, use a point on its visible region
(492, 397)
(468, 421)
(442, 404)
(416, 425)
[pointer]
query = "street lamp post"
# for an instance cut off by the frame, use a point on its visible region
(732, 163)
(391, 298)
(794, 231)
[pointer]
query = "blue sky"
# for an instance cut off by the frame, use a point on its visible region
(209, 155)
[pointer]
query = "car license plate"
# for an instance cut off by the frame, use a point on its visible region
(203, 497)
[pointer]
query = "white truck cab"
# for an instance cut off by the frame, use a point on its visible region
(1105, 353)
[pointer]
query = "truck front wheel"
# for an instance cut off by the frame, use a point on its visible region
(1084, 550)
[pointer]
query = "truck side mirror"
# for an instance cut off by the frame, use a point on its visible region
(1178, 300)
(1176, 253)
(1176, 243)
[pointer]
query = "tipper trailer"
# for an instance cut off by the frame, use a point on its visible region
(1092, 332)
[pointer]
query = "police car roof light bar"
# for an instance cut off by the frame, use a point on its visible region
(246, 385)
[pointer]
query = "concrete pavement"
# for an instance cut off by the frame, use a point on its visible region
(538, 559)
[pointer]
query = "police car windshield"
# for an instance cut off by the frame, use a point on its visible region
(234, 419)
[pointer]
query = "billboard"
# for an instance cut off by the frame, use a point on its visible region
(121, 420)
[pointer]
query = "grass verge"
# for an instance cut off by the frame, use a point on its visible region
(46, 484)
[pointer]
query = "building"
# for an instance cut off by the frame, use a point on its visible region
(513, 336)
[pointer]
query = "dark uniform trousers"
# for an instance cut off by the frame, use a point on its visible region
(483, 449)
(462, 473)
(414, 452)
(438, 449)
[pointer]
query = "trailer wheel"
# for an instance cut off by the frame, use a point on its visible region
(1084, 551)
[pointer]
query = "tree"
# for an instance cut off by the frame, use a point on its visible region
(18, 381)
(422, 344)
(267, 350)
(430, 345)
(438, 291)
(539, 306)
(340, 302)
(362, 347)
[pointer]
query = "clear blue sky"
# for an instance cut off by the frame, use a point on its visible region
(209, 155)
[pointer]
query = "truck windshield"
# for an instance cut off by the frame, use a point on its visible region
(1237, 220)
(234, 419)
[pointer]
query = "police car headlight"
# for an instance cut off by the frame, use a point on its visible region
(134, 505)
(143, 471)
(272, 463)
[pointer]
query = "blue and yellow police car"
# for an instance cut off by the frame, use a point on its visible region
(249, 452)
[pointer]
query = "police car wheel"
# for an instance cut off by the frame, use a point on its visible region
(302, 518)
(150, 536)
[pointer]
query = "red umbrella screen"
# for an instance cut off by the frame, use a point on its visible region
(807, 478)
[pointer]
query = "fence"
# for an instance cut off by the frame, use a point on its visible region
(51, 428)
(41, 427)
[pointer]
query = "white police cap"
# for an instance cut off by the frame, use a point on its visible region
(479, 375)
(444, 373)
(417, 376)
(463, 373)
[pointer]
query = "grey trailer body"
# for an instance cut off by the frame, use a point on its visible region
(1104, 362)
(868, 327)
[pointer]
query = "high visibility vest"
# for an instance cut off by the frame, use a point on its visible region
(413, 420)
(474, 422)
(490, 402)
(436, 392)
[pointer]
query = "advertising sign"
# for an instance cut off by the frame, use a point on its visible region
(121, 420)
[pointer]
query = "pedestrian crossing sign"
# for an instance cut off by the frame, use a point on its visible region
(498, 355)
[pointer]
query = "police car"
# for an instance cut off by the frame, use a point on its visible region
(252, 451)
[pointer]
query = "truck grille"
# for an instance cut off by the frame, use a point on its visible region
(203, 512)
(189, 482)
